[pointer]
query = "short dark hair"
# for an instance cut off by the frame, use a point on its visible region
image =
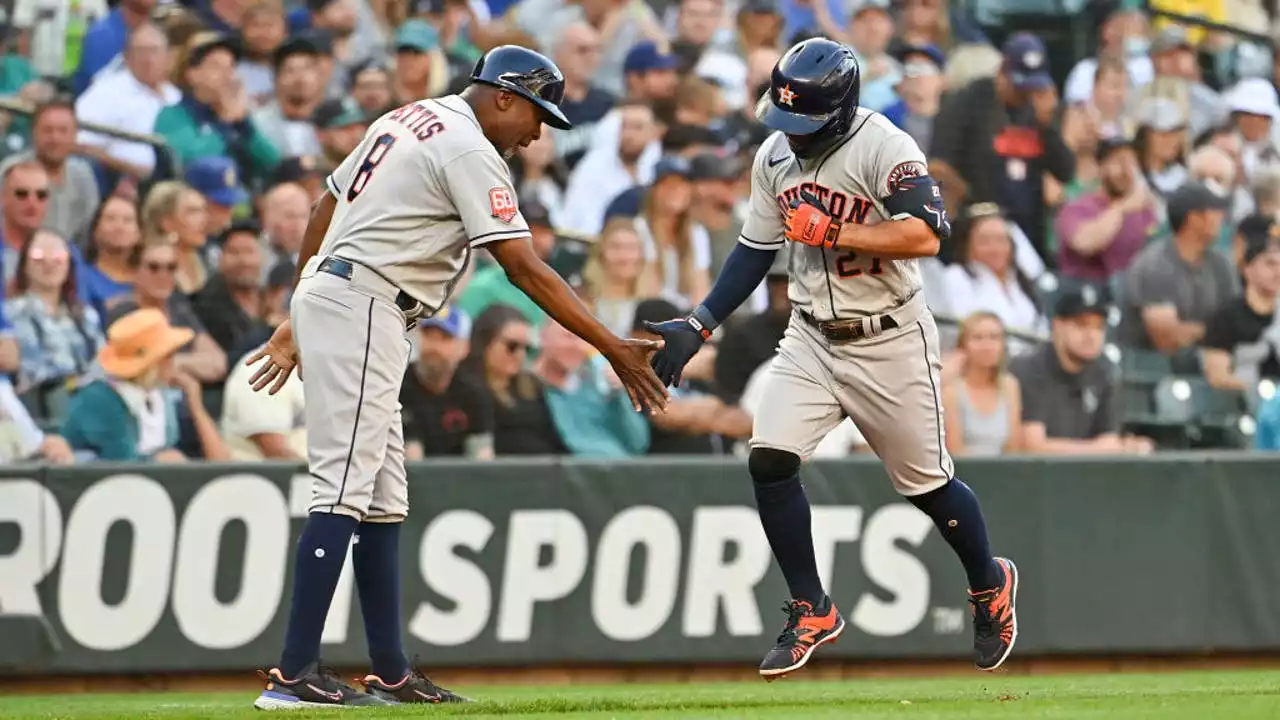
(654, 310)
(58, 102)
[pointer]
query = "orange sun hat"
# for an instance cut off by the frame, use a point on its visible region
(140, 340)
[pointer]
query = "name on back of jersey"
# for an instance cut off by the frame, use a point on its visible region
(847, 207)
(423, 122)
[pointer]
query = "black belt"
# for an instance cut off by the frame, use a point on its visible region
(847, 330)
(345, 268)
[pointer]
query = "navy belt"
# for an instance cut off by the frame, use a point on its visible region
(847, 330)
(345, 269)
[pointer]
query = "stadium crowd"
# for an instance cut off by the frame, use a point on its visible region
(1110, 285)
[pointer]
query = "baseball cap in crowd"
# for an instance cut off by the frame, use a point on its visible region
(202, 43)
(904, 53)
(1195, 196)
(713, 166)
(1108, 145)
(647, 56)
(296, 45)
(1161, 114)
(1170, 37)
(535, 213)
(759, 7)
(139, 341)
(654, 310)
(295, 170)
(450, 319)
(669, 165)
(337, 113)
(1081, 299)
(417, 36)
(1027, 62)
(215, 177)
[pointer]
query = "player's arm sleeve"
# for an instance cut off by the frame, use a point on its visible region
(479, 184)
(340, 179)
(902, 179)
(764, 228)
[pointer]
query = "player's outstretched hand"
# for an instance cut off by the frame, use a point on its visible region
(282, 358)
(683, 341)
(630, 361)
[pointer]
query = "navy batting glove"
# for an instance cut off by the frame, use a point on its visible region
(681, 341)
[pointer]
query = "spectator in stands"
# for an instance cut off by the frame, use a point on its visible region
(578, 51)
(728, 64)
(696, 24)
(110, 257)
(1266, 192)
(356, 33)
(154, 288)
(623, 26)
(21, 439)
(263, 30)
(1174, 285)
(1254, 107)
(230, 305)
(1241, 344)
(869, 33)
(694, 422)
(540, 176)
(1123, 43)
(982, 400)
(1161, 142)
(750, 341)
(607, 170)
(716, 178)
(420, 69)
(58, 334)
(919, 91)
(285, 212)
(223, 16)
(613, 274)
(1212, 166)
(286, 120)
(446, 413)
(677, 250)
(212, 119)
(129, 99)
(73, 189)
(1070, 396)
(262, 426)
(178, 213)
(127, 416)
(591, 411)
(501, 341)
(1101, 232)
(984, 275)
(490, 285)
(340, 126)
(22, 212)
(107, 38)
(371, 89)
(1100, 118)
(651, 79)
(995, 139)
(1177, 78)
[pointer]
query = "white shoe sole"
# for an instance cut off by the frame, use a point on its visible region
(271, 704)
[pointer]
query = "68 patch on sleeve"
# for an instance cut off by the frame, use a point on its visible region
(502, 203)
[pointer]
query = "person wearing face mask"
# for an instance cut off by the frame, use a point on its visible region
(1121, 37)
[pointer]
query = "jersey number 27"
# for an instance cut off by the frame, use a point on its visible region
(372, 159)
(846, 268)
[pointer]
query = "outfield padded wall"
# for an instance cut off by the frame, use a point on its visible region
(110, 569)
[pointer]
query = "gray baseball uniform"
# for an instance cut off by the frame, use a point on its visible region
(421, 191)
(887, 382)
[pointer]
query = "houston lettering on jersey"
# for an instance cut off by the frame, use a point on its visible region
(422, 122)
(849, 208)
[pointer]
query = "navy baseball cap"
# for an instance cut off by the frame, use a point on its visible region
(217, 179)
(450, 319)
(930, 51)
(1082, 299)
(645, 57)
(1027, 62)
(669, 165)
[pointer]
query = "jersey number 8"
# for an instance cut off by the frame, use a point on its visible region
(371, 161)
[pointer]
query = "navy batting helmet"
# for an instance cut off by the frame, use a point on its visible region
(813, 95)
(529, 74)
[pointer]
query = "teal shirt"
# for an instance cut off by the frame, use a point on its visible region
(100, 422)
(190, 140)
(594, 419)
(490, 286)
(1267, 436)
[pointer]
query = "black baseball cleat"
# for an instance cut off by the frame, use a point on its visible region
(806, 630)
(413, 688)
(314, 687)
(995, 619)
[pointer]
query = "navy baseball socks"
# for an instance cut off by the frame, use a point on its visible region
(376, 558)
(993, 581)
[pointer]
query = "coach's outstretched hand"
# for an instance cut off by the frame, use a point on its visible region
(630, 361)
(282, 358)
(683, 341)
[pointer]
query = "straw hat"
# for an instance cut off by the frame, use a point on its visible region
(138, 341)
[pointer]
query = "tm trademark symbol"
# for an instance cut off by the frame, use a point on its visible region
(948, 621)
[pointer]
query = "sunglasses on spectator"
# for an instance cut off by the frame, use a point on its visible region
(156, 267)
(41, 194)
(49, 254)
(515, 346)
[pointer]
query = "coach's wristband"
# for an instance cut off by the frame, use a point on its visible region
(702, 320)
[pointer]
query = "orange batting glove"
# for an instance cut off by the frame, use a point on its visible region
(810, 224)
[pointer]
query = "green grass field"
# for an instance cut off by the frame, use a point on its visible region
(1172, 696)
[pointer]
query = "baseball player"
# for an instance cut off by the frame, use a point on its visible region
(385, 246)
(853, 195)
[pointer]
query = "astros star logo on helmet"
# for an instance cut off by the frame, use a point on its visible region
(786, 95)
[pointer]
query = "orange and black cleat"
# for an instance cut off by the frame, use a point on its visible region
(995, 619)
(807, 627)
